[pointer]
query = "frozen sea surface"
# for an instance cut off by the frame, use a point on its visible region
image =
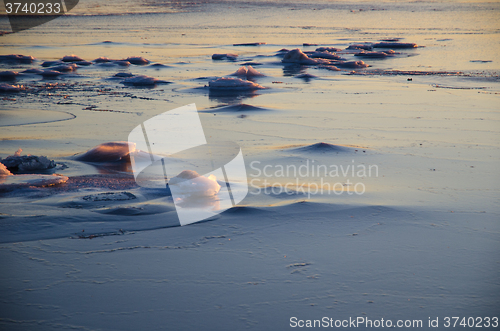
(417, 130)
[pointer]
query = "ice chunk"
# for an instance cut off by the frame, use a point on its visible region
(72, 58)
(138, 60)
(227, 56)
(123, 75)
(32, 71)
(4, 171)
(50, 73)
(366, 47)
(297, 56)
(26, 163)
(16, 59)
(65, 67)
(190, 183)
(102, 60)
(51, 63)
(324, 55)
(328, 49)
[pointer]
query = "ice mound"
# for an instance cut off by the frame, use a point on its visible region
(137, 60)
(143, 80)
(330, 67)
(190, 183)
(366, 47)
(227, 56)
(10, 88)
(323, 55)
(115, 151)
(241, 107)
(65, 67)
(17, 59)
(72, 58)
(233, 83)
(32, 71)
(50, 73)
(159, 65)
(84, 63)
(247, 72)
(102, 60)
(51, 63)
(394, 45)
(8, 75)
(4, 171)
(297, 56)
(121, 63)
(27, 163)
(328, 49)
(322, 148)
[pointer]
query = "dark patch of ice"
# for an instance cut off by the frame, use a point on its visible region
(394, 45)
(249, 44)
